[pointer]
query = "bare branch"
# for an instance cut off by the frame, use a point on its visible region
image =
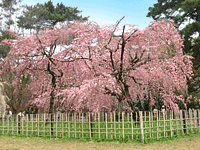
(113, 32)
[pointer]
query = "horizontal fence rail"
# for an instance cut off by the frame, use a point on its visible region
(140, 125)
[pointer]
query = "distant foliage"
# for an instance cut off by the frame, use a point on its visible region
(45, 15)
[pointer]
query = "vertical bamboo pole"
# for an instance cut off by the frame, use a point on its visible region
(17, 125)
(56, 123)
(128, 127)
(50, 120)
(32, 123)
(136, 123)
(12, 122)
(8, 125)
(152, 121)
(111, 127)
(157, 128)
(141, 126)
(181, 118)
(119, 124)
(27, 124)
(149, 124)
(44, 124)
(22, 124)
(79, 121)
(75, 124)
(62, 125)
(89, 126)
(184, 122)
(106, 125)
(72, 124)
(82, 125)
(114, 120)
(144, 121)
(195, 120)
(145, 117)
(68, 125)
(132, 125)
(164, 123)
(38, 125)
(95, 117)
(198, 117)
(99, 125)
(175, 113)
(123, 124)
(171, 128)
(190, 116)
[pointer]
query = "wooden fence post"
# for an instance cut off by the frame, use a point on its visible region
(114, 119)
(90, 130)
(181, 118)
(190, 116)
(195, 120)
(141, 126)
(184, 122)
(99, 125)
(198, 120)
(171, 132)
(52, 123)
(18, 123)
(27, 125)
(75, 124)
(111, 126)
(68, 117)
(123, 125)
(44, 124)
(106, 117)
(132, 125)
(38, 125)
(164, 113)
(157, 125)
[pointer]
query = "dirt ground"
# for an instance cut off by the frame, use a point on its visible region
(16, 143)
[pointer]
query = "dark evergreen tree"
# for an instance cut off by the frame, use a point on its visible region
(43, 15)
(8, 9)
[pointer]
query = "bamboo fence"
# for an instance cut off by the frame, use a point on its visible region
(140, 126)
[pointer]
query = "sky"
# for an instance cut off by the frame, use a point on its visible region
(106, 12)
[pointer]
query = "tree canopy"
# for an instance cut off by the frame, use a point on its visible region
(99, 69)
(186, 14)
